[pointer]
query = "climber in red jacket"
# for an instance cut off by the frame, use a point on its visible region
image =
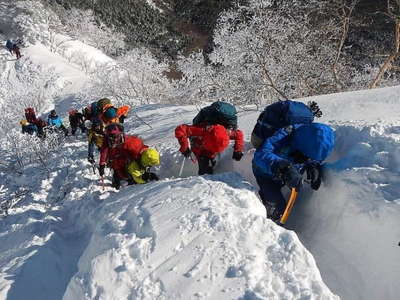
(119, 150)
(206, 141)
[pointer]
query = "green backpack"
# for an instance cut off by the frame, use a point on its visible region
(217, 113)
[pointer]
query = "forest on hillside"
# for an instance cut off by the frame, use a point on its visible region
(246, 51)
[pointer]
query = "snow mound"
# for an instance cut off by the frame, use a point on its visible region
(201, 237)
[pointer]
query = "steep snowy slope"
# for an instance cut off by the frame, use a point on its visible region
(201, 237)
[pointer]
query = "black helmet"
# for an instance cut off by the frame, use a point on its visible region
(114, 135)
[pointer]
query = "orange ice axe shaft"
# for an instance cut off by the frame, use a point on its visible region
(289, 206)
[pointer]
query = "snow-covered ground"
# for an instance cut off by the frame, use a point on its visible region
(202, 237)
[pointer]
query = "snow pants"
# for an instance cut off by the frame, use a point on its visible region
(271, 196)
(206, 165)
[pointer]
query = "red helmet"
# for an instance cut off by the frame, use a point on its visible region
(114, 134)
(215, 139)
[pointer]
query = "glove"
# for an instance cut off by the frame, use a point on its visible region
(149, 176)
(237, 155)
(187, 153)
(91, 159)
(314, 175)
(122, 119)
(289, 174)
(101, 170)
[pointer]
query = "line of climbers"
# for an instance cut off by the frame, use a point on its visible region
(289, 144)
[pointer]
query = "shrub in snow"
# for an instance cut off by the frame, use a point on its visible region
(20, 149)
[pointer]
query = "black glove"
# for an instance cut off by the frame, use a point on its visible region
(314, 175)
(289, 174)
(101, 170)
(187, 153)
(91, 159)
(237, 155)
(149, 176)
(122, 119)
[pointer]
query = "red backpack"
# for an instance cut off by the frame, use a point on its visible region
(30, 115)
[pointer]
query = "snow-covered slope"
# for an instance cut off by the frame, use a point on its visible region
(190, 238)
(202, 237)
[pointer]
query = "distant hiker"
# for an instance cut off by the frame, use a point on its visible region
(55, 121)
(284, 157)
(95, 138)
(128, 156)
(206, 142)
(28, 127)
(32, 119)
(76, 120)
(13, 47)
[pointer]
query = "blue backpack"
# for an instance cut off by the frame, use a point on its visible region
(282, 114)
(217, 113)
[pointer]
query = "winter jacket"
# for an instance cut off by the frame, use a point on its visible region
(55, 121)
(76, 119)
(118, 158)
(136, 171)
(196, 133)
(312, 142)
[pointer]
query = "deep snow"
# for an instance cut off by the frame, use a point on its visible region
(203, 237)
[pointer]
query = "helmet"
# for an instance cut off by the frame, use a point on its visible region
(53, 112)
(103, 102)
(114, 135)
(110, 113)
(23, 122)
(150, 157)
(215, 139)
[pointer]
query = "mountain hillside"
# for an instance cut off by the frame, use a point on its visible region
(67, 234)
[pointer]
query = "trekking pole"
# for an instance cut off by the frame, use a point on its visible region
(94, 168)
(289, 206)
(102, 182)
(182, 165)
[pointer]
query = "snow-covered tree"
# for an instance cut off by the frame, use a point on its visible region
(136, 78)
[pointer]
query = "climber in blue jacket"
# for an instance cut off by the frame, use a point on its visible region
(284, 157)
(55, 121)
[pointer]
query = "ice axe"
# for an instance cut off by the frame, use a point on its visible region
(289, 206)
